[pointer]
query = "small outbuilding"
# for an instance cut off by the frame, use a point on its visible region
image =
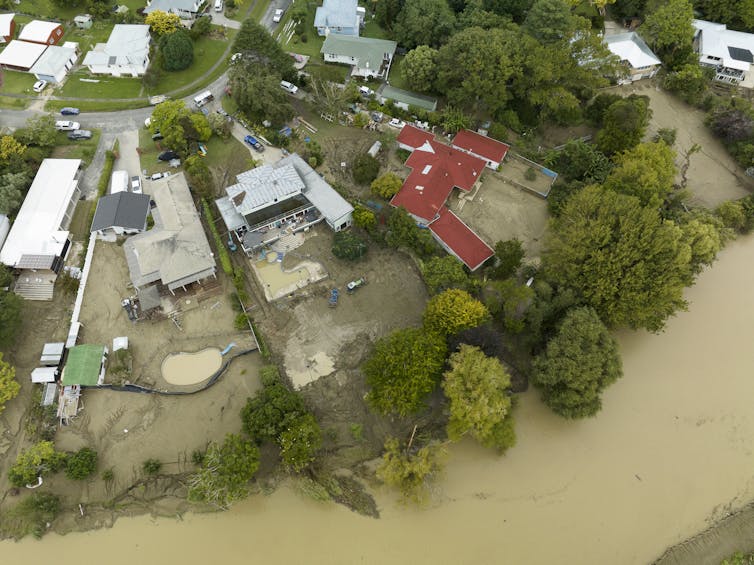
(7, 27)
(44, 375)
(39, 31)
(83, 21)
(52, 354)
(635, 55)
(405, 99)
(85, 365)
(368, 57)
(122, 213)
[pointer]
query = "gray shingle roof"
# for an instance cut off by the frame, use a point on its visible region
(368, 52)
(123, 210)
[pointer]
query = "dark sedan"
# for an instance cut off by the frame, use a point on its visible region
(69, 111)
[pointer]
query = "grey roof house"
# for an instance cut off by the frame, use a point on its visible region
(635, 55)
(123, 213)
(404, 98)
(368, 57)
(175, 252)
(186, 9)
(54, 63)
(126, 52)
(343, 17)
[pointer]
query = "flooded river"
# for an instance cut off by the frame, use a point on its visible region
(669, 454)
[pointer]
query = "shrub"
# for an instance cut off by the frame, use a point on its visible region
(365, 169)
(348, 246)
(177, 51)
(386, 185)
(219, 242)
(81, 465)
(151, 466)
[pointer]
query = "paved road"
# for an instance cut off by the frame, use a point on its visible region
(266, 20)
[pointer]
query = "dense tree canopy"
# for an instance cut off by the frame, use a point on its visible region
(386, 185)
(411, 472)
(177, 51)
(442, 273)
(669, 31)
(179, 125)
(162, 23)
(272, 410)
(577, 365)
(257, 45)
(646, 171)
(36, 461)
(620, 258)
(508, 257)
(477, 388)
(549, 20)
(404, 233)
(580, 161)
(9, 386)
(300, 443)
(424, 22)
(404, 368)
(452, 311)
(625, 122)
(82, 464)
(257, 92)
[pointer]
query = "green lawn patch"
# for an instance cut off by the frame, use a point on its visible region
(372, 29)
(13, 103)
(259, 9)
(80, 222)
(396, 76)
(313, 44)
(88, 38)
(107, 87)
(83, 149)
(97, 105)
(328, 71)
(15, 82)
(48, 9)
(239, 14)
(148, 152)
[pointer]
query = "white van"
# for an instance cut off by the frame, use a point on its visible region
(204, 98)
(119, 182)
(218, 5)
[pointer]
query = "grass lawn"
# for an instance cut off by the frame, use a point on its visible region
(313, 43)
(259, 9)
(148, 152)
(396, 77)
(328, 72)
(16, 82)
(96, 106)
(87, 38)
(373, 30)
(13, 103)
(239, 14)
(79, 223)
(107, 87)
(81, 149)
(49, 9)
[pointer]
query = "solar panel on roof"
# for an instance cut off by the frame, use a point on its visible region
(741, 54)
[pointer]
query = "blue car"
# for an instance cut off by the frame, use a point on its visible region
(254, 143)
(69, 111)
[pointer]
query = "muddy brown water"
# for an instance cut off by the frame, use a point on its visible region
(191, 368)
(670, 454)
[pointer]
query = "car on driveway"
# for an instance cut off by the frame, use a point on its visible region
(366, 91)
(69, 111)
(39, 86)
(396, 123)
(67, 126)
(254, 142)
(136, 184)
(168, 156)
(80, 134)
(377, 116)
(278, 16)
(288, 87)
(158, 176)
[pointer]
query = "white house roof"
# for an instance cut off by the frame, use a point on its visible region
(336, 13)
(53, 60)
(369, 53)
(324, 197)
(128, 43)
(37, 30)
(5, 22)
(735, 49)
(632, 48)
(172, 5)
(37, 229)
(21, 54)
(265, 185)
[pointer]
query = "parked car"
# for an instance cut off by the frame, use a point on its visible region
(39, 86)
(158, 176)
(157, 136)
(148, 122)
(235, 57)
(254, 142)
(288, 87)
(168, 156)
(80, 134)
(396, 123)
(136, 184)
(378, 116)
(278, 16)
(67, 126)
(222, 112)
(69, 111)
(366, 91)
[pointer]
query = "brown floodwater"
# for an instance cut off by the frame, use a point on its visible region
(669, 454)
(191, 368)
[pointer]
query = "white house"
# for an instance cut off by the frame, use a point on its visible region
(343, 17)
(39, 31)
(635, 55)
(126, 52)
(38, 241)
(21, 55)
(123, 213)
(368, 58)
(185, 9)
(54, 63)
(730, 53)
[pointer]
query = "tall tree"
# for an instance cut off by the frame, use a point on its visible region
(442, 273)
(411, 472)
(179, 125)
(577, 365)
(452, 311)
(419, 68)
(386, 12)
(300, 443)
(9, 386)
(549, 20)
(255, 42)
(424, 22)
(272, 410)
(646, 171)
(625, 123)
(177, 51)
(620, 258)
(162, 23)
(12, 187)
(257, 92)
(404, 368)
(670, 32)
(39, 130)
(477, 388)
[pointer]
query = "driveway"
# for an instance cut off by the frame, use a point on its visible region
(129, 158)
(271, 154)
(266, 20)
(219, 19)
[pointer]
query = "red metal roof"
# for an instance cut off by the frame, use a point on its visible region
(458, 237)
(413, 136)
(436, 169)
(481, 145)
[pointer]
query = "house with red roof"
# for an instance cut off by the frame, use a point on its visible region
(491, 150)
(436, 169)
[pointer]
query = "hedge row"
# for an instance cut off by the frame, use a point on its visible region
(221, 249)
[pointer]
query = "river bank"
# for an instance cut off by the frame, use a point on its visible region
(670, 455)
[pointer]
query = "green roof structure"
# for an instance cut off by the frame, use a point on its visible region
(83, 365)
(400, 96)
(365, 52)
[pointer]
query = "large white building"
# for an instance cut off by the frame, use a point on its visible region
(126, 52)
(38, 241)
(730, 53)
(54, 63)
(638, 59)
(21, 55)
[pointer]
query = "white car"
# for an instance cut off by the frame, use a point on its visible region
(278, 16)
(67, 126)
(396, 123)
(158, 176)
(39, 86)
(136, 184)
(148, 122)
(366, 91)
(288, 87)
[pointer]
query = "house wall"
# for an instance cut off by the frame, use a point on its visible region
(53, 39)
(120, 70)
(341, 223)
(7, 38)
(117, 230)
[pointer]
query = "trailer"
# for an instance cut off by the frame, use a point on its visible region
(333, 301)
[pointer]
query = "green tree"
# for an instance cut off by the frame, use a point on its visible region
(580, 161)
(424, 22)
(549, 20)
(452, 311)
(364, 218)
(690, 82)
(620, 257)
(81, 465)
(670, 33)
(272, 409)
(442, 273)
(386, 185)
(10, 146)
(404, 233)
(255, 41)
(419, 68)
(300, 443)
(162, 23)
(10, 317)
(257, 92)
(365, 169)
(577, 365)
(38, 460)
(9, 386)
(199, 176)
(646, 171)
(12, 188)
(220, 125)
(404, 368)
(348, 246)
(477, 388)
(201, 27)
(625, 123)
(39, 130)
(705, 235)
(225, 472)
(597, 108)
(508, 300)
(454, 119)
(386, 12)
(509, 255)
(177, 51)
(411, 473)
